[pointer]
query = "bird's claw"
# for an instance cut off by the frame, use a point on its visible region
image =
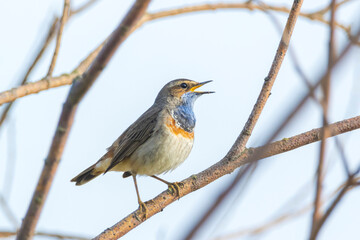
(174, 188)
(143, 212)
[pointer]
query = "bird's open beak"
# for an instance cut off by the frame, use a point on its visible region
(199, 85)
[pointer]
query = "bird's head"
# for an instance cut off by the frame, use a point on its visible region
(181, 91)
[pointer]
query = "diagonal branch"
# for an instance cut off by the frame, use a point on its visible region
(77, 92)
(351, 182)
(11, 95)
(225, 166)
(50, 35)
(44, 84)
(245, 134)
(241, 141)
(326, 91)
(63, 20)
(82, 7)
(282, 218)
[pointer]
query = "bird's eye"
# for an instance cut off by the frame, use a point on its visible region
(183, 85)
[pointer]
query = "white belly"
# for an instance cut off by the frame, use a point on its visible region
(161, 153)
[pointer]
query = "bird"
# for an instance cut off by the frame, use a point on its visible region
(157, 142)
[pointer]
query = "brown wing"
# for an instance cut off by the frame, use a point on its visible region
(133, 137)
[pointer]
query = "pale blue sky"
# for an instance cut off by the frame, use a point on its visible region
(235, 48)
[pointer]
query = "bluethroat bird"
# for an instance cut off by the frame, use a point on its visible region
(157, 142)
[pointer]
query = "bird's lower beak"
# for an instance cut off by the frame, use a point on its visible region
(199, 85)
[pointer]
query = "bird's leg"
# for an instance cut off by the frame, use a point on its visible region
(174, 187)
(142, 205)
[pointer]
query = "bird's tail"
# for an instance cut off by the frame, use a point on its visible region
(94, 170)
(86, 175)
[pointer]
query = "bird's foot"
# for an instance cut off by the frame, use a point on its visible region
(142, 216)
(174, 188)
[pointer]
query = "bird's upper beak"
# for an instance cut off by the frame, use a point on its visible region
(199, 85)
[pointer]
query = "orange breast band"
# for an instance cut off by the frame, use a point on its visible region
(177, 130)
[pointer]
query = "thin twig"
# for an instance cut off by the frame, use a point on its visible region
(313, 16)
(291, 51)
(303, 100)
(326, 91)
(245, 134)
(76, 93)
(63, 20)
(279, 219)
(241, 141)
(221, 168)
(220, 198)
(351, 182)
(10, 95)
(224, 166)
(7, 234)
(306, 80)
(44, 84)
(329, 7)
(50, 35)
(343, 156)
(82, 7)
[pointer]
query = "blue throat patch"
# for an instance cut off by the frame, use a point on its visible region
(184, 114)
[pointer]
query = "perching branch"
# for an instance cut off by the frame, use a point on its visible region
(213, 172)
(11, 95)
(77, 92)
(287, 119)
(225, 166)
(240, 143)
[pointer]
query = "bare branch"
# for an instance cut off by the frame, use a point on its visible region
(303, 76)
(7, 96)
(342, 156)
(50, 36)
(314, 16)
(43, 84)
(59, 35)
(6, 234)
(326, 91)
(245, 134)
(279, 219)
(292, 54)
(83, 7)
(268, 225)
(215, 171)
(225, 166)
(78, 90)
(351, 182)
(329, 7)
(241, 141)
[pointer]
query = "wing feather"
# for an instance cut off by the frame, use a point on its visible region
(133, 137)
